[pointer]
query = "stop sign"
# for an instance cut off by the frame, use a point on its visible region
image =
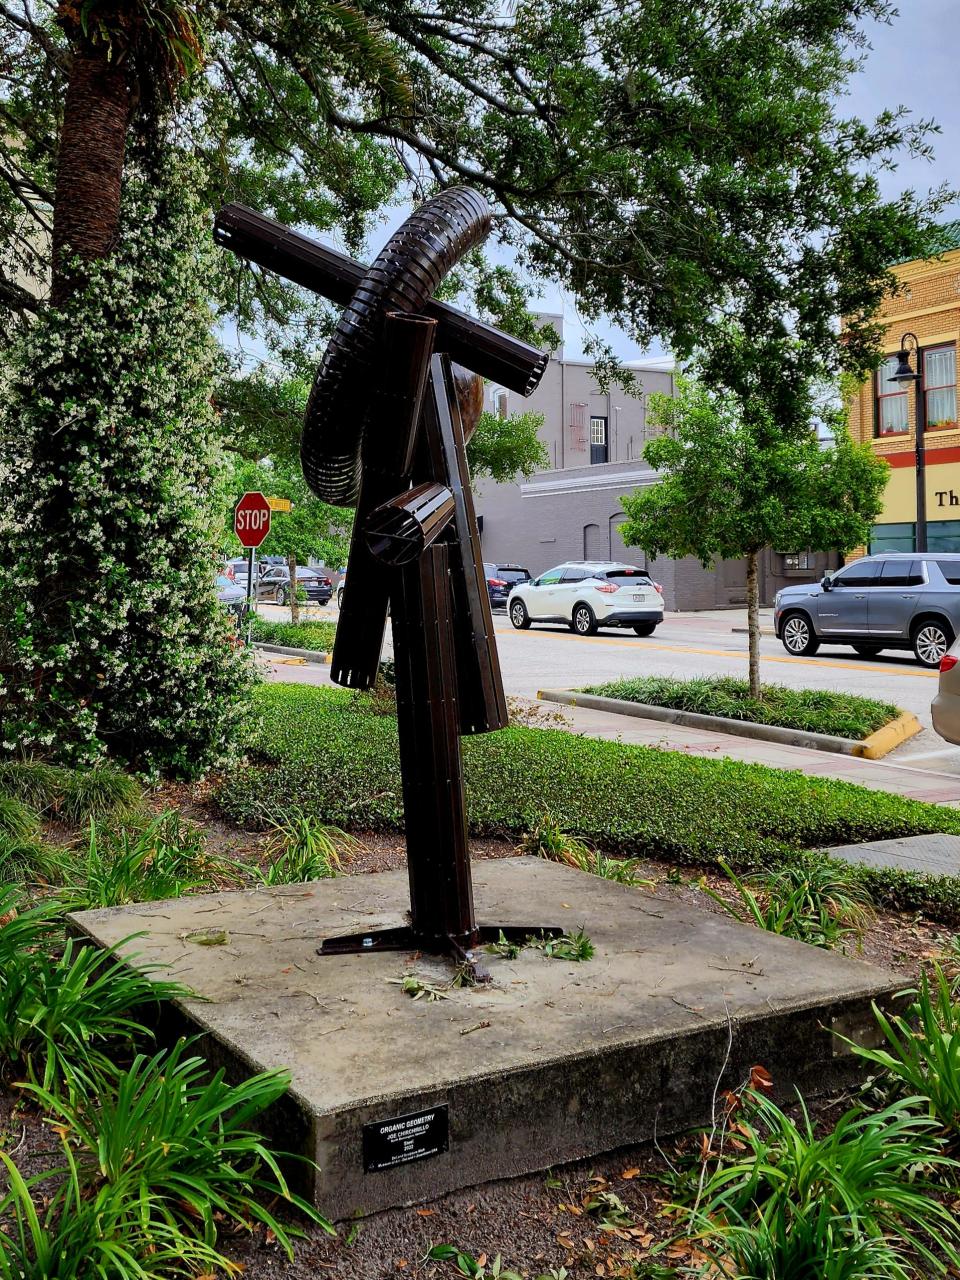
(251, 519)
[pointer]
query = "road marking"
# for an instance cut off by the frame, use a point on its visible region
(738, 654)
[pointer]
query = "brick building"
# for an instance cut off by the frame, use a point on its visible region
(572, 510)
(885, 413)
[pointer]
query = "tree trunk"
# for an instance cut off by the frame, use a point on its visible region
(753, 622)
(96, 117)
(294, 602)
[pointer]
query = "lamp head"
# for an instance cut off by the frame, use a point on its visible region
(904, 373)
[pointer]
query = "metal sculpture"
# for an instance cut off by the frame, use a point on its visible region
(385, 431)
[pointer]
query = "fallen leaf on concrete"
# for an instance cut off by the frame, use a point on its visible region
(206, 937)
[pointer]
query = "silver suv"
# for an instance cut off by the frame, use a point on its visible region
(899, 600)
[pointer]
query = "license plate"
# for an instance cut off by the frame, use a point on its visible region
(641, 595)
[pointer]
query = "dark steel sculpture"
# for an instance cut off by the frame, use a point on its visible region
(385, 430)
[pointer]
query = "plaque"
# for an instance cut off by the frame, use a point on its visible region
(390, 1143)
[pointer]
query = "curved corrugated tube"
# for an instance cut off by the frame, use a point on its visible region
(404, 276)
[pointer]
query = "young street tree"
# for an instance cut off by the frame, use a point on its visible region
(733, 482)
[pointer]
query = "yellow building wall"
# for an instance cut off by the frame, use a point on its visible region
(928, 306)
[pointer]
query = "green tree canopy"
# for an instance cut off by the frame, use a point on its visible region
(667, 163)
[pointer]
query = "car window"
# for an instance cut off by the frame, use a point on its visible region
(489, 570)
(950, 570)
(551, 577)
(863, 573)
(223, 581)
(901, 573)
(270, 574)
(575, 575)
(623, 577)
(512, 573)
(307, 573)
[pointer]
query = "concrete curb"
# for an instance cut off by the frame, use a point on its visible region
(740, 728)
(881, 743)
(308, 655)
(745, 631)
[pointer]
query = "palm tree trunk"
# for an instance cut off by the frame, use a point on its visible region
(753, 622)
(96, 117)
(294, 602)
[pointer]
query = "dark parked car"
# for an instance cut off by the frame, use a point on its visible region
(895, 600)
(274, 585)
(501, 578)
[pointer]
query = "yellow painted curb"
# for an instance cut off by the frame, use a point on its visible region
(891, 735)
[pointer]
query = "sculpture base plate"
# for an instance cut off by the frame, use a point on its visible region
(400, 1100)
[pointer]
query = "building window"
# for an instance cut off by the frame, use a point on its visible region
(797, 560)
(891, 415)
(893, 537)
(501, 403)
(598, 440)
(940, 387)
(943, 535)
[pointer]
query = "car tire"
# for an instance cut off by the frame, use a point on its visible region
(281, 596)
(519, 616)
(644, 628)
(340, 598)
(583, 620)
(867, 650)
(931, 639)
(797, 635)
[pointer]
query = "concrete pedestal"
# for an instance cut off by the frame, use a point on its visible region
(552, 1062)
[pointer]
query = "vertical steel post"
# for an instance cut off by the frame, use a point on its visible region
(428, 722)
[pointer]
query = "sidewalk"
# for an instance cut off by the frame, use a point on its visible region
(916, 784)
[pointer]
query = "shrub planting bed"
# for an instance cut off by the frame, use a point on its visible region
(811, 710)
(312, 634)
(341, 763)
(869, 1180)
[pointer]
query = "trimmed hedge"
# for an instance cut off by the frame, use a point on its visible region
(324, 750)
(812, 710)
(302, 635)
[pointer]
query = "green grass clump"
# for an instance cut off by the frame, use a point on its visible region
(813, 710)
(852, 1204)
(17, 820)
(71, 795)
(302, 635)
(163, 858)
(816, 900)
(343, 767)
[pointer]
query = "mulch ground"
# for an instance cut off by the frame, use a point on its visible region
(543, 1221)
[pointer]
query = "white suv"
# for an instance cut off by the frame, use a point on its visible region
(587, 594)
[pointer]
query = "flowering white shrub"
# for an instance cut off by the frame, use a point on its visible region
(111, 636)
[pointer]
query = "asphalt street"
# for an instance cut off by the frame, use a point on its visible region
(694, 644)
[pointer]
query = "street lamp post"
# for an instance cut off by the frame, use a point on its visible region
(904, 373)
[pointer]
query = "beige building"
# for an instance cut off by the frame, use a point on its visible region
(885, 413)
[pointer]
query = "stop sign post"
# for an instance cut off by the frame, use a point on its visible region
(251, 524)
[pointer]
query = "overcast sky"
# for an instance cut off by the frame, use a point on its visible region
(914, 63)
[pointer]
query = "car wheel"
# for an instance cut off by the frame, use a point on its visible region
(519, 616)
(583, 622)
(867, 650)
(281, 596)
(797, 635)
(931, 640)
(644, 628)
(340, 598)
